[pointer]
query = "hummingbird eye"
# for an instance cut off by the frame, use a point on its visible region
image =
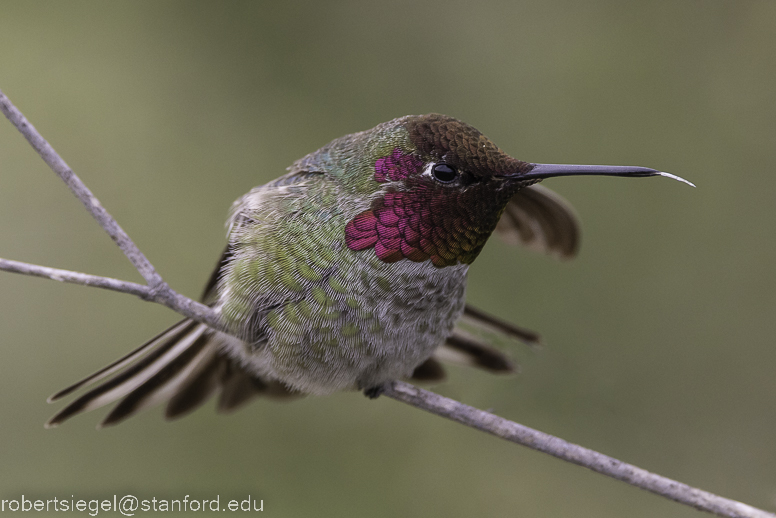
(444, 173)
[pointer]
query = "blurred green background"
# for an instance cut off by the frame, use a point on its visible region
(659, 336)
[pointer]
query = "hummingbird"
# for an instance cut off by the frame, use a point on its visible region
(350, 271)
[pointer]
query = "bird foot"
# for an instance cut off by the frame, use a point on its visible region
(374, 392)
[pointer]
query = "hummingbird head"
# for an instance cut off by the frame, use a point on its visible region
(441, 188)
(436, 187)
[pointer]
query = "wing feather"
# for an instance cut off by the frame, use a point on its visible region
(541, 220)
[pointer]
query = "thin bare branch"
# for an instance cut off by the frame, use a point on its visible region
(534, 439)
(84, 279)
(158, 291)
(92, 204)
(170, 298)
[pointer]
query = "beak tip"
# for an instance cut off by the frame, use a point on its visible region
(675, 177)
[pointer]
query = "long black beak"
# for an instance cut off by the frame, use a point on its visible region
(549, 170)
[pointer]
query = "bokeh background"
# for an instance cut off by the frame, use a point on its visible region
(659, 336)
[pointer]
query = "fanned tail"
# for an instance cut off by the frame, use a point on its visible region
(185, 366)
(182, 365)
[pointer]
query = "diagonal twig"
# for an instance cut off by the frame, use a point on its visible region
(158, 291)
(93, 206)
(598, 462)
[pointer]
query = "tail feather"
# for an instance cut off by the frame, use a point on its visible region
(164, 384)
(121, 362)
(238, 387)
(184, 365)
(479, 318)
(465, 349)
(429, 371)
(161, 352)
(198, 388)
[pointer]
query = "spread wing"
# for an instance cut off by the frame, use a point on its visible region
(541, 220)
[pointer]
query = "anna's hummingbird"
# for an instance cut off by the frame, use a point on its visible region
(350, 271)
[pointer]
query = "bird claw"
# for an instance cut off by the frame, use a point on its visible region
(374, 392)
